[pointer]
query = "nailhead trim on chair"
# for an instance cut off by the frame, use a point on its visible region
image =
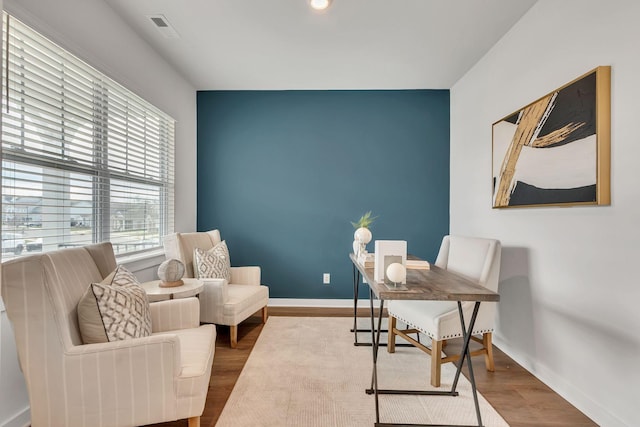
(446, 337)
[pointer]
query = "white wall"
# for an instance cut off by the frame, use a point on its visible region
(92, 31)
(569, 283)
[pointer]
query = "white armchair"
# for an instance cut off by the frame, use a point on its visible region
(221, 303)
(156, 378)
(474, 258)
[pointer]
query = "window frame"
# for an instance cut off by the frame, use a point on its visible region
(134, 113)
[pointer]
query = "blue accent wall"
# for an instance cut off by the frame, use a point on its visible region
(282, 174)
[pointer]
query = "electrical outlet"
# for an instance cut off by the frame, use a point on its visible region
(326, 278)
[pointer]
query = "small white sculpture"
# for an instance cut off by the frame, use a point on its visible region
(170, 273)
(397, 273)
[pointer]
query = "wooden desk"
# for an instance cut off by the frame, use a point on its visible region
(433, 284)
(191, 287)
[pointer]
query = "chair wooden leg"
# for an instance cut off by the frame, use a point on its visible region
(488, 357)
(265, 314)
(436, 362)
(391, 337)
(444, 343)
(233, 331)
(194, 422)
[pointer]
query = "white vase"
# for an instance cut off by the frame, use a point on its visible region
(362, 235)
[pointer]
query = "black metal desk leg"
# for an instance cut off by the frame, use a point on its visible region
(357, 276)
(375, 340)
(374, 349)
(466, 354)
(356, 285)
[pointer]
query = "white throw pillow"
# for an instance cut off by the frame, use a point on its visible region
(212, 264)
(115, 309)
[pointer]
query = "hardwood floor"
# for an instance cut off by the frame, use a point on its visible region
(517, 395)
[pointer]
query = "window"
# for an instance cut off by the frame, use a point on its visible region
(84, 160)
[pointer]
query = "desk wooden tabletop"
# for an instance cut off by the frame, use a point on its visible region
(434, 284)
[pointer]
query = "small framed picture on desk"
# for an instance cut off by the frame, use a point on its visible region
(388, 252)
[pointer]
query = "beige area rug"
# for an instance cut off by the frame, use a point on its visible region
(306, 372)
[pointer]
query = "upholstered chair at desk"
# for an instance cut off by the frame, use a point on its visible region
(223, 302)
(474, 258)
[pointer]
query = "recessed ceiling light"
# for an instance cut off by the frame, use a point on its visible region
(319, 4)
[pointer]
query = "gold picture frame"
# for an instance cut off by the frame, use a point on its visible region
(556, 151)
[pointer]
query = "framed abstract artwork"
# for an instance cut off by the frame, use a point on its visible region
(556, 150)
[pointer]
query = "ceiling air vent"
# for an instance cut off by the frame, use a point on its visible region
(163, 26)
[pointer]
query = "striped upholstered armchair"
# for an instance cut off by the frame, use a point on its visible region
(222, 301)
(162, 376)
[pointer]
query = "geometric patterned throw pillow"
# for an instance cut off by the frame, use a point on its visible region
(115, 309)
(214, 263)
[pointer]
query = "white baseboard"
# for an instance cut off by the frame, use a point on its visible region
(21, 419)
(576, 397)
(328, 303)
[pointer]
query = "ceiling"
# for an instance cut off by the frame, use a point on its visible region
(355, 44)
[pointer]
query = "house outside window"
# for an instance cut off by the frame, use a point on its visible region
(84, 160)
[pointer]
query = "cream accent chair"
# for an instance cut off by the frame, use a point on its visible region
(162, 377)
(476, 259)
(221, 303)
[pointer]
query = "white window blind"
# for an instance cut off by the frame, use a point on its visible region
(84, 160)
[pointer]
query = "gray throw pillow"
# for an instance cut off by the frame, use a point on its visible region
(214, 263)
(115, 309)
